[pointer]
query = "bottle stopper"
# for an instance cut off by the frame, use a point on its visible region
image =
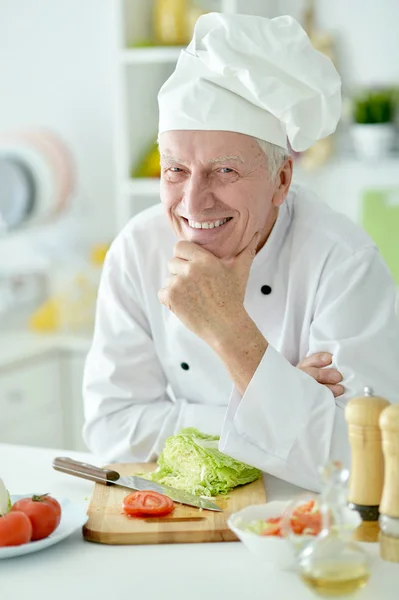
(367, 462)
(389, 507)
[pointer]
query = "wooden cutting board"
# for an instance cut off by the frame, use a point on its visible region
(107, 524)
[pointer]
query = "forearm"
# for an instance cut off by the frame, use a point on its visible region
(284, 424)
(312, 449)
(241, 347)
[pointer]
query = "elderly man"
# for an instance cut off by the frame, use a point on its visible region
(210, 301)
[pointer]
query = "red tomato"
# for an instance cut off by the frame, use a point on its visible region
(273, 529)
(15, 529)
(44, 513)
(307, 507)
(297, 526)
(311, 522)
(147, 504)
(52, 501)
(303, 521)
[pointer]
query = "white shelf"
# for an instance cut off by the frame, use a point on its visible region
(142, 186)
(151, 54)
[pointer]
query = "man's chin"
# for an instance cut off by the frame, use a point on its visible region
(218, 251)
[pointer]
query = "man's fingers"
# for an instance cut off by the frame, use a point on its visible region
(325, 376)
(337, 390)
(163, 297)
(189, 250)
(319, 359)
(328, 377)
(178, 266)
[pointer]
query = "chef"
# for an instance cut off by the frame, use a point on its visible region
(210, 300)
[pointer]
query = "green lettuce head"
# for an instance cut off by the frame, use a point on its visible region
(192, 462)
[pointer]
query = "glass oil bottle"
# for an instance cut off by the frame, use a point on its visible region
(333, 565)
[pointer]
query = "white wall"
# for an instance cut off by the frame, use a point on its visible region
(366, 33)
(55, 72)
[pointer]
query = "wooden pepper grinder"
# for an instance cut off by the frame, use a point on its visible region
(389, 508)
(367, 469)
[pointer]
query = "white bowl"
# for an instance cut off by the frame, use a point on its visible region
(275, 552)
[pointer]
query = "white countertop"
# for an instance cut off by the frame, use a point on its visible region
(75, 568)
(22, 345)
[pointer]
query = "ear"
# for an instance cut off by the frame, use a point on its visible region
(283, 182)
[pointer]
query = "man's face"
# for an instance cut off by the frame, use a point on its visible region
(217, 190)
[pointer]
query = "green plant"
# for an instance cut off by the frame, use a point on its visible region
(374, 106)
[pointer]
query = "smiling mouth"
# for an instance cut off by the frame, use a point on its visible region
(216, 224)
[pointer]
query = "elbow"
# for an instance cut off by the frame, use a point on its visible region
(107, 441)
(91, 438)
(114, 439)
(98, 443)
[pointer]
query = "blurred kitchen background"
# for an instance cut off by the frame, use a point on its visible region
(78, 158)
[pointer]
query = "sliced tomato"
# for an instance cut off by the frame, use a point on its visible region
(273, 520)
(312, 523)
(273, 529)
(307, 507)
(308, 524)
(297, 526)
(147, 503)
(305, 521)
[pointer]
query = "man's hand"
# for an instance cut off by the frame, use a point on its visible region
(313, 366)
(207, 293)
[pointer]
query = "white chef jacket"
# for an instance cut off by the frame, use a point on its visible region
(318, 284)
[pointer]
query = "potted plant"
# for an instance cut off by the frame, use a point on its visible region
(374, 128)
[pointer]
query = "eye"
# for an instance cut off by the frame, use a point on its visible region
(173, 174)
(226, 170)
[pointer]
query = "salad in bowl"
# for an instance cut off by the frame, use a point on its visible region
(277, 531)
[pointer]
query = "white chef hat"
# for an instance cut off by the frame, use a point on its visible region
(252, 75)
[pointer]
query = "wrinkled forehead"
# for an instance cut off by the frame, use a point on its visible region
(208, 146)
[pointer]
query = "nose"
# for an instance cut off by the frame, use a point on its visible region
(198, 195)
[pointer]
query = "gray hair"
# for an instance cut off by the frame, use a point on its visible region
(275, 156)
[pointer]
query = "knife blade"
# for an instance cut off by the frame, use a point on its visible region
(133, 482)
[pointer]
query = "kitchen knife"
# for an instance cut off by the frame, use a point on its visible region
(108, 477)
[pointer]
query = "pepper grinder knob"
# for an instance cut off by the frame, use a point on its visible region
(389, 508)
(367, 462)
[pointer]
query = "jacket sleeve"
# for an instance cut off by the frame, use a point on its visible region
(129, 410)
(289, 425)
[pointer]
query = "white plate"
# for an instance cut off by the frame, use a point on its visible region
(45, 183)
(73, 516)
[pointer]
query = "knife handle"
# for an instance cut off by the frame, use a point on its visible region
(79, 469)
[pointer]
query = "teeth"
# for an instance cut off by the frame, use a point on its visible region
(207, 225)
